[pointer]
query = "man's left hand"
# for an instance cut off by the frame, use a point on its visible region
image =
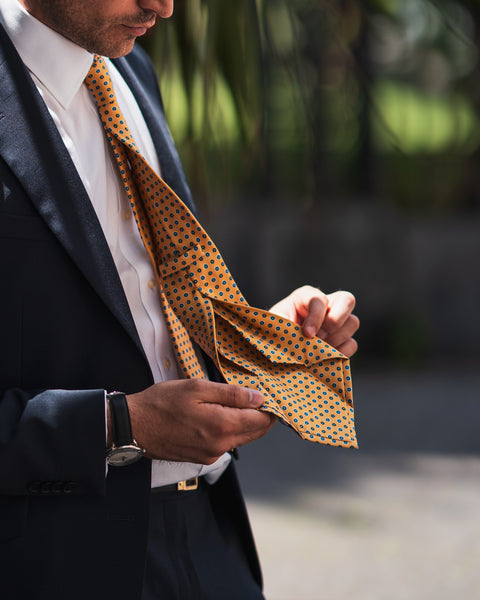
(327, 316)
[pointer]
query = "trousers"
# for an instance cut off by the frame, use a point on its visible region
(193, 553)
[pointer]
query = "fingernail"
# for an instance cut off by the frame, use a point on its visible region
(309, 331)
(256, 398)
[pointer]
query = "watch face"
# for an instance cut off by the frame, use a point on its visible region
(125, 455)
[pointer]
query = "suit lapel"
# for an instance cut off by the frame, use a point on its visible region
(40, 161)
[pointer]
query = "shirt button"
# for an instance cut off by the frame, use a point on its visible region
(127, 215)
(167, 363)
(152, 284)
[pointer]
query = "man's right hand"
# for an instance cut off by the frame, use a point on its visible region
(195, 420)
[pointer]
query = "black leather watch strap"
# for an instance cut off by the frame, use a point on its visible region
(120, 419)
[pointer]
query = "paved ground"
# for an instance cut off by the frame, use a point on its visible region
(397, 519)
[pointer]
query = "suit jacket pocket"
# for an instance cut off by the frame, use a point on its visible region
(13, 516)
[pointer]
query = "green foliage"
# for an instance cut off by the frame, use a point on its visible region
(306, 98)
(208, 61)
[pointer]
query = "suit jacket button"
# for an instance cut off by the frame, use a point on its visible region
(34, 487)
(57, 487)
(69, 487)
(46, 487)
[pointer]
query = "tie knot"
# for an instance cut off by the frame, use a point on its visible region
(99, 83)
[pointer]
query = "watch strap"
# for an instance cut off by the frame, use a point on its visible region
(120, 419)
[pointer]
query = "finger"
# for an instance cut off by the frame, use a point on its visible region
(317, 311)
(349, 347)
(302, 296)
(295, 306)
(340, 307)
(235, 396)
(286, 309)
(339, 337)
(233, 427)
(254, 427)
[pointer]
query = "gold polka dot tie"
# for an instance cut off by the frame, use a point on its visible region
(305, 382)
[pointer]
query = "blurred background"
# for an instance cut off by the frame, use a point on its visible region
(337, 143)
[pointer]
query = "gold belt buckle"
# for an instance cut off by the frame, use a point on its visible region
(188, 485)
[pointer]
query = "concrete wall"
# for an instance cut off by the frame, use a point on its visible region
(416, 278)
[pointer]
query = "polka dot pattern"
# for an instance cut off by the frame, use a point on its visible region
(305, 382)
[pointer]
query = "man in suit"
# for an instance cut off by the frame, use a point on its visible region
(80, 319)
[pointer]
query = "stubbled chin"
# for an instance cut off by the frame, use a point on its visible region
(121, 48)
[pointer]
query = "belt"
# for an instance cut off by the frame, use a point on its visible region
(188, 485)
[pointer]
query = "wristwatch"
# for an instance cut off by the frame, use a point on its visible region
(124, 450)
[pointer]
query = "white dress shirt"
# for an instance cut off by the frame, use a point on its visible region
(58, 68)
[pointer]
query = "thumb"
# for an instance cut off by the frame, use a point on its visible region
(236, 396)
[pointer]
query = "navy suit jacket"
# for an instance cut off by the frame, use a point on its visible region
(67, 334)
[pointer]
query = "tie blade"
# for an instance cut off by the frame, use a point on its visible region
(305, 382)
(332, 425)
(276, 338)
(309, 433)
(335, 374)
(314, 410)
(208, 275)
(312, 394)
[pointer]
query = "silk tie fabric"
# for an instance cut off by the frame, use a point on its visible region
(305, 382)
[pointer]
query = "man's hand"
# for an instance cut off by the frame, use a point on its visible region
(327, 316)
(195, 420)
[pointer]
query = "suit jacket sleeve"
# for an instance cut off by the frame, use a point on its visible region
(66, 330)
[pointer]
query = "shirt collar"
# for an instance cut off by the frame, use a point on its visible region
(59, 64)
